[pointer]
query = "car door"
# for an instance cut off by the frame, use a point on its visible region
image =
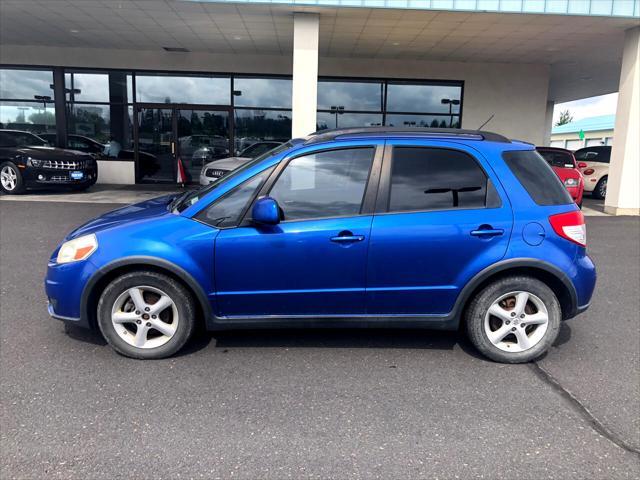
(313, 263)
(441, 217)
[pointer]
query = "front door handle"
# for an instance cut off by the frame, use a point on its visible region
(487, 231)
(347, 237)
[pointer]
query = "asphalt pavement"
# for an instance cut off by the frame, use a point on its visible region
(314, 404)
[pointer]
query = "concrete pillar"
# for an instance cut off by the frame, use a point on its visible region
(548, 123)
(623, 186)
(306, 29)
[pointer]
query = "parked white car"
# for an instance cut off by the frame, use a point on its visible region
(593, 162)
(219, 168)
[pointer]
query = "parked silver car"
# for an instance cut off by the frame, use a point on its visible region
(218, 168)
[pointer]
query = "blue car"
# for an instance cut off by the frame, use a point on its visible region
(367, 227)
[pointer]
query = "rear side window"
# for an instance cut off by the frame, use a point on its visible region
(437, 179)
(601, 154)
(537, 177)
(557, 159)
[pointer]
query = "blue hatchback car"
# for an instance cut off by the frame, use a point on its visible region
(367, 227)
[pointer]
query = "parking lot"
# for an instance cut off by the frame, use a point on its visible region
(317, 404)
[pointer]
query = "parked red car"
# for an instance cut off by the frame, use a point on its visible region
(564, 164)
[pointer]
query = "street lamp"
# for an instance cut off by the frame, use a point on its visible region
(337, 110)
(450, 102)
(44, 99)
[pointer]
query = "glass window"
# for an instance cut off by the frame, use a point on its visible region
(435, 179)
(537, 177)
(432, 121)
(557, 159)
(252, 126)
(594, 154)
(350, 95)
(262, 92)
(87, 87)
(226, 211)
(324, 184)
(31, 116)
(102, 123)
(20, 139)
(326, 120)
(402, 97)
(183, 89)
(25, 84)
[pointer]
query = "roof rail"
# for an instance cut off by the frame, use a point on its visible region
(344, 133)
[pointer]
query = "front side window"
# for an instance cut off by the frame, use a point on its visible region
(437, 179)
(324, 184)
(21, 139)
(226, 211)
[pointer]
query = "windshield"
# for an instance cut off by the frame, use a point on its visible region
(182, 202)
(557, 159)
(21, 139)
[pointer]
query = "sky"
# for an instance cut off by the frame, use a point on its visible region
(588, 107)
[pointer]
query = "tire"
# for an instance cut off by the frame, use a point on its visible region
(175, 320)
(601, 188)
(539, 336)
(10, 175)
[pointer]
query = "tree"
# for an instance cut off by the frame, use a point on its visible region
(565, 117)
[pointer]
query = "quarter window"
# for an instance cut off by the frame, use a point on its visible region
(324, 184)
(226, 211)
(437, 179)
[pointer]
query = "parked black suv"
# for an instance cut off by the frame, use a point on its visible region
(27, 161)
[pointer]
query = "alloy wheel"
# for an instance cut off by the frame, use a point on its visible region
(516, 321)
(8, 178)
(602, 188)
(145, 317)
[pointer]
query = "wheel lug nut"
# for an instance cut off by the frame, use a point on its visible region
(137, 312)
(513, 314)
(138, 322)
(522, 316)
(146, 309)
(508, 322)
(148, 324)
(513, 329)
(153, 316)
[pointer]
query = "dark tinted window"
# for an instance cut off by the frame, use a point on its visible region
(598, 154)
(557, 159)
(537, 177)
(324, 184)
(435, 179)
(226, 211)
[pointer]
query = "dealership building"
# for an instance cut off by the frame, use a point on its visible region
(166, 79)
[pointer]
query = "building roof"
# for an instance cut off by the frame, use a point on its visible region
(589, 124)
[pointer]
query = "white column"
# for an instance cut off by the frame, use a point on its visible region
(306, 29)
(623, 186)
(548, 123)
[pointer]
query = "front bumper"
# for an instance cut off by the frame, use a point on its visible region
(51, 177)
(64, 285)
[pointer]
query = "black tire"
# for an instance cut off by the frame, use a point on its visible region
(176, 291)
(601, 188)
(19, 188)
(477, 309)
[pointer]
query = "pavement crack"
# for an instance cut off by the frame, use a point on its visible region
(577, 405)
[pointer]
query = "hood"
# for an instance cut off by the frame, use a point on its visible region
(228, 163)
(51, 153)
(131, 213)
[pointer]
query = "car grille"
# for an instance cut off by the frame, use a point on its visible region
(64, 165)
(215, 173)
(59, 178)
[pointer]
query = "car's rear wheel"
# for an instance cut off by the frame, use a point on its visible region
(514, 320)
(10, 179)
(146, 315)
(601, 188)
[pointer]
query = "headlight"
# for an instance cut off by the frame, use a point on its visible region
(34, 162)
(571, 182)
(77, 249)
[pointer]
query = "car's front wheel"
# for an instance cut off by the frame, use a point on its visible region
(514, 320)
(146, 315)
(10, 179)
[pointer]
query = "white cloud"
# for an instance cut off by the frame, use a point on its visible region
(588, 107)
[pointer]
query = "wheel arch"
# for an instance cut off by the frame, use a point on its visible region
(102, 277)
(551, 275)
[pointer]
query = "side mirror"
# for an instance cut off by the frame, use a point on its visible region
(266, 211)
(582, 165)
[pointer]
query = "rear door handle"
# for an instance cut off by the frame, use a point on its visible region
(487, 232)
(347, 237)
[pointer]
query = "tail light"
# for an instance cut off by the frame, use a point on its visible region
(570, 226)
(588, 171)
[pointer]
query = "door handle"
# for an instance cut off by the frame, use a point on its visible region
(347, 237)
(487, 231)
